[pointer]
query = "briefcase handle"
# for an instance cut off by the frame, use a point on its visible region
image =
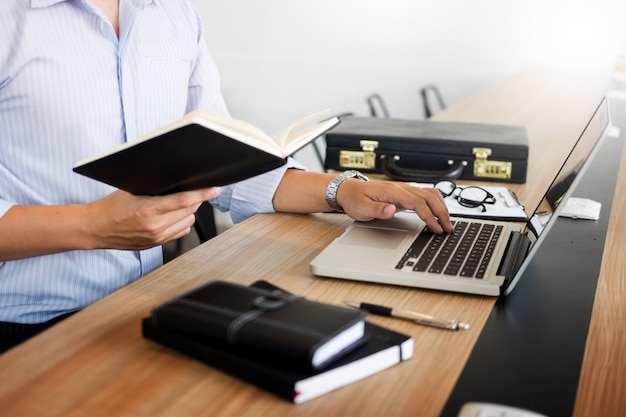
(390, 169)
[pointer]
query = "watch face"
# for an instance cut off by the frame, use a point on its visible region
(356, 174)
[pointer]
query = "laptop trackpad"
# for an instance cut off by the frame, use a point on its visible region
(374, 237)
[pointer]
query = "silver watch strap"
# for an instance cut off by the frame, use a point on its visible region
(333, 186)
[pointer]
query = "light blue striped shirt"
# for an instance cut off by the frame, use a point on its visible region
(70, 89)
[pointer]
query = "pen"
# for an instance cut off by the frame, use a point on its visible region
(515, 197)
(419, 318)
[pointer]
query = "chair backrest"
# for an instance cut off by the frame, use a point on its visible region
(316, 145)
(429, 93)
(377, 105)
(205, 222)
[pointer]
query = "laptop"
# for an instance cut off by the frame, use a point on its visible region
(493, 254)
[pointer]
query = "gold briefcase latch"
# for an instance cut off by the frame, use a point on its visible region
(490, 169)
(363, 159)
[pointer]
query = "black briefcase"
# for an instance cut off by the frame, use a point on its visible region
(428, 151)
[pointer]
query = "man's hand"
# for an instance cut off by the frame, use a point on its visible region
(382, 199)
(125, 221)
(117, 221)
(305, 192)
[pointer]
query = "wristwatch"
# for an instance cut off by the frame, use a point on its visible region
(333, 186)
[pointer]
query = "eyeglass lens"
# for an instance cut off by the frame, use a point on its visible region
(446, 188)
(473, 194)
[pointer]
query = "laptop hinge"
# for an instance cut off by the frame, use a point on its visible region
(515, 253)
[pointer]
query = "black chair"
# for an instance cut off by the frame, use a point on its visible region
(377, 105)
(205, 222)
(429, 93)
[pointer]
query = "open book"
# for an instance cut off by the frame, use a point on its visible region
(201, 149)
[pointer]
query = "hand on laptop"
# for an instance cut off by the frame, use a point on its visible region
(382, 199)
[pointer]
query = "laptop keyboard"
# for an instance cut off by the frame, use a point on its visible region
(464, 253)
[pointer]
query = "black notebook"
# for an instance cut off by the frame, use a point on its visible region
(305, 333)
(199, 150)
(382, 349)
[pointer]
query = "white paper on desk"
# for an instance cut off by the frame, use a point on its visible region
(506, 206)
(581, 208)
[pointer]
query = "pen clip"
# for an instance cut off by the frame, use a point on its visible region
(511, 194)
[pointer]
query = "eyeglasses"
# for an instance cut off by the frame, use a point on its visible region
(471, 196)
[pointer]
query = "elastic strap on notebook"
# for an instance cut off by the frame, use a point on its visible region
(260, 306)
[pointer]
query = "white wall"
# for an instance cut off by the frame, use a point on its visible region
(283, 59)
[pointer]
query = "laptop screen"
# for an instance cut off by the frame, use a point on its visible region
(546, 212)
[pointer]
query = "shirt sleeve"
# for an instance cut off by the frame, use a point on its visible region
(11, 16)
(5, 206)
(204, 90)
(254, 195)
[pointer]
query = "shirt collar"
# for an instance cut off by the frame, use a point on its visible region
(46, 3)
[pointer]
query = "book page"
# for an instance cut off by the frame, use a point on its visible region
(296, 135)
(283, 143)
(237, 129)
(229, 126)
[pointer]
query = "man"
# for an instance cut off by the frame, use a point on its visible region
(79, 77)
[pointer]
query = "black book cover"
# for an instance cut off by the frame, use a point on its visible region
(188, 158)
(382, 349)
(306, 333)
(199, 150)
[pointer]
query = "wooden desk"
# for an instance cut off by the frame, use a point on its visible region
(96, 362)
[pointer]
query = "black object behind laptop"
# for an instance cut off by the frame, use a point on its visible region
(425, 150)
